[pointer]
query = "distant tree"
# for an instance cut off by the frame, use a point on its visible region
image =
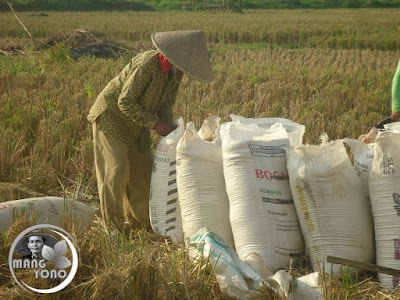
(352, 3)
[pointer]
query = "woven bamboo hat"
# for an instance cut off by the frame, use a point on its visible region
(187, 50)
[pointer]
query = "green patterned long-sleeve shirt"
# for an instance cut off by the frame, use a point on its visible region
(133, 101)
(396, 90)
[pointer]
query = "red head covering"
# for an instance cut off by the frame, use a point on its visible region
(165, 64)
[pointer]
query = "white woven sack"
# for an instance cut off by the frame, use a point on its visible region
(384, 184)
(295, 131)
(363, 155)
(393, 127)
(334, 217)
(201, 186)
(165, 213)
(262, 213)
(47, 210)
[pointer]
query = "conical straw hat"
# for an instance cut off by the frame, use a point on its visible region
(187, 50)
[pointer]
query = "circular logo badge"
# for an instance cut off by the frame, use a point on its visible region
(43, 259)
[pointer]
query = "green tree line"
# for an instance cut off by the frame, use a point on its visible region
(153, 5)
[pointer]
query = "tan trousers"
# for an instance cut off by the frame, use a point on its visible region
(123, 179)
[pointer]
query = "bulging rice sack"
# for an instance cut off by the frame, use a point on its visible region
(262, 213)
(335, 218)
(165, 212)
(46, 210)
(363, 155)
(384, 185)
(200, 178)
(295, 131)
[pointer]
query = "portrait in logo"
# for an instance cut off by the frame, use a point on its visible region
(43, 259)
(31, 245)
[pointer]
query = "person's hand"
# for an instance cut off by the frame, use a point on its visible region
(396, 116)
(163, 128)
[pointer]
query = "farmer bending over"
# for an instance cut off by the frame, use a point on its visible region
(140, 98)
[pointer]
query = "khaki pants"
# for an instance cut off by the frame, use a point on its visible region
(123, 179)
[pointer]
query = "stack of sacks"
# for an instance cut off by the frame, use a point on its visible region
(334, 216)
(262, 214)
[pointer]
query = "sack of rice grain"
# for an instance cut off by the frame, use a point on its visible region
(295, 131)
(262, 213)
(165, 213)
(201, 186)
(46, 210)
(335, 218)
(384, 185)
(363, 155)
